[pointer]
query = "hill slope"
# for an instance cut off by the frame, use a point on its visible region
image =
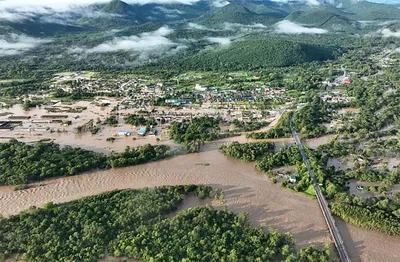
(372, 11)
(324, 17)
(234, 13)
(250, 53)
(117, 7)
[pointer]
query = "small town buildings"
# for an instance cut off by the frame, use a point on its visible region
(292, 179)
(200, 88)
(9, 125)
(124, 133)
(19, 117)
(142, 131)
(55, 116)
(41, 121)
(40, 128)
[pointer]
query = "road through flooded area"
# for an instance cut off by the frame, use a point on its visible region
(245, 189)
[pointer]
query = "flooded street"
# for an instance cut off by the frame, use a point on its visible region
(245, 190)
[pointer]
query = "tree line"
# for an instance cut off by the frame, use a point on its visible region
(21, 163)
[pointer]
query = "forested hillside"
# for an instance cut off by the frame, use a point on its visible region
(234, 13)
(249, 53)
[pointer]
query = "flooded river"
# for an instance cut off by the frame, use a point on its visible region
(245, 190)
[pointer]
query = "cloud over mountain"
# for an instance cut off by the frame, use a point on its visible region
(67, 4)
(287, 27)
(389, 33)
(220, 40)
(14, 44)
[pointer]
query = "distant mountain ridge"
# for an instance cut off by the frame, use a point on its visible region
(118, 7)
(343, 14)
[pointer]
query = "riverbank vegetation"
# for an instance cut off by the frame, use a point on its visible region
(281, 129)
(194, 133)
(242, 126)
(309, 119)
(22, 163)
(248, 152)
(133, 223)
(381, 214)
(139, 120)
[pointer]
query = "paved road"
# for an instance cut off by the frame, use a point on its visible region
(330, 221)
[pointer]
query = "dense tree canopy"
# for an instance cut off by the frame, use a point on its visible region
(21, 163)
(133, 223)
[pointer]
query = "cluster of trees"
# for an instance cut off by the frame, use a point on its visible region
(382, 147)
(138, 155)
(248, 152)
(381, 214)
(31, 103)
(308, 119)
(139, 120)
(372, 175)
(336, 148)
(263, 154)
(247, 127)
(111, 121)
(378, 102)
(196, 132)
(132, 223)
(286, 156)
(21, 163)
(281, 129)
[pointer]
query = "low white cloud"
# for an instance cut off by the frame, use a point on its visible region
(63, 5)
(197, 26)
(235, 26)
(389, 33)
(220, 3)
(144, 42)
(142, 48)
(229, 27)
(224, 41)
(14, 44)
(22, 10)
(307, 2)
(201, 27)
(397, 50)
(14, 17)
(168, 10)
(287, 27)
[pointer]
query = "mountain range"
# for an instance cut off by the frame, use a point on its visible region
(208, 34)
(209, 12)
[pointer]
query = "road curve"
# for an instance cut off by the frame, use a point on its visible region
(330, 221)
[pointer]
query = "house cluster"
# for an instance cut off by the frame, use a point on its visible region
(336, 97)
(26, 123)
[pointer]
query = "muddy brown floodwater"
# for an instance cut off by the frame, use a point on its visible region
(245, 190)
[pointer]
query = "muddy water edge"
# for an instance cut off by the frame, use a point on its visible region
(245, 190)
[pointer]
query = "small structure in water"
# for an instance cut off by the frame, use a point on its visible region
(142, 131)
(124, 133)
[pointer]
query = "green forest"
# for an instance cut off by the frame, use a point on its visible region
(133, 223)
(194, 133)
(21, 163)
